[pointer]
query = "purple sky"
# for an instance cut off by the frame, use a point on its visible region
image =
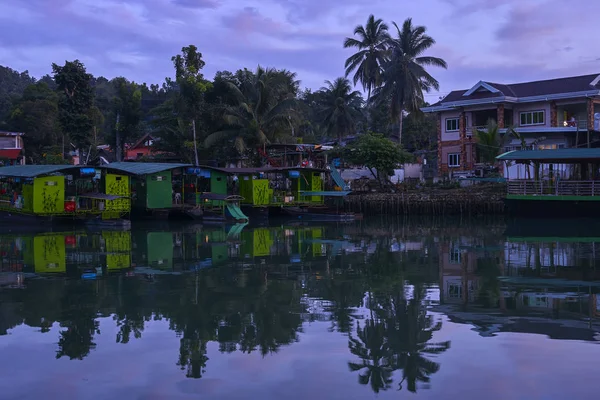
(496, 40)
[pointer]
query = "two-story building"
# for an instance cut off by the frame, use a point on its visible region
(565, 112)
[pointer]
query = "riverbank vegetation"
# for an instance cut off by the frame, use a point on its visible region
(234, 113)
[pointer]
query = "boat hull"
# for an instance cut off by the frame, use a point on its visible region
(552, 208)
(255, 213)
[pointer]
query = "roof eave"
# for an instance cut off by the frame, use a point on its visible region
(508, 99)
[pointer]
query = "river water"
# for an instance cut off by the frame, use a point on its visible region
(427, 309)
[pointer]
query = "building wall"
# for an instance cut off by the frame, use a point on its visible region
(159, 190)
(452, 135)
(519, 108)
(49, 195)
(133, 154)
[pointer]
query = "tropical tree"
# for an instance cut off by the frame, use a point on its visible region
(379, 154)
(36, 114)
(192, 86)
(372, 45)
(260, 113)
(489, 142)
(127, 107)
(404, 77)
(339, 107)
(76, 98)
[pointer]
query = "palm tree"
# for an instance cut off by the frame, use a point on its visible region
(404, 76)
(489, 142)
(261, 112)
(339, 107)
(372, 52)
(512, 132)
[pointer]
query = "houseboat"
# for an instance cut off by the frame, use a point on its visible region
(553, 183)
(62, 193)
(275, 191)
(156, 188)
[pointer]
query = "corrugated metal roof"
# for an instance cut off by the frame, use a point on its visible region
(138, 168)
(558, 155)
(264, 170)
(31, 171)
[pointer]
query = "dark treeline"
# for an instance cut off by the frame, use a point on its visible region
(71, 109)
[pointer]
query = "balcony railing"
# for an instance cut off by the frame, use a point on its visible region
(472, 130)
(581, 124)
(558, 188)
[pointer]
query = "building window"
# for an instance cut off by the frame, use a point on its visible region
(454, 160)
(455, 256)
(452, 124)
(532, 118)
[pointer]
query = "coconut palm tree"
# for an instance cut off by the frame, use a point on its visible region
(261, 112)
(340, 107)
(372, 45)
(404, 77)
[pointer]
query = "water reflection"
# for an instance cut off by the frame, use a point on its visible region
(385, 288)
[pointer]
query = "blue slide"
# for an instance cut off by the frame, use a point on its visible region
(236, 212)
(337, 178)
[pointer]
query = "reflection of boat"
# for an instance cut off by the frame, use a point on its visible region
(108, 223)
(317, 213)
(580, 230)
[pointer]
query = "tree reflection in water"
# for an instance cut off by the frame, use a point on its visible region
(257, 306)
(396, 338)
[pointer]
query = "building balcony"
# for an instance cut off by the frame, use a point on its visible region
(580, 124)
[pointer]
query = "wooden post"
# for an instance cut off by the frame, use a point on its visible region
(462, 129)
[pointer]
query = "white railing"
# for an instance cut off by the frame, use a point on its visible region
(557, 188)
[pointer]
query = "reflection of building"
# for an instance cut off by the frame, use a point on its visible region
(458, 281)
(525, 279)
(567, 258)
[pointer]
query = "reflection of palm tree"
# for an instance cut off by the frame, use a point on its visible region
(410, 330)
(372, 348)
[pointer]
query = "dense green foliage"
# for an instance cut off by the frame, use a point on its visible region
(237, 111)
(378, 153)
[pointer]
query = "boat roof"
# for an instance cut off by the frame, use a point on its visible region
(554, 156)
(31, 171)
(142, 168)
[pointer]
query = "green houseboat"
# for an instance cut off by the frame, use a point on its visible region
(55, 193)
(554, 183)
(273, 191)
(157, 188)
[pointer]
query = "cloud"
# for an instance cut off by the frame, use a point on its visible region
(509, 40)
(249, 21)
(197, 3)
